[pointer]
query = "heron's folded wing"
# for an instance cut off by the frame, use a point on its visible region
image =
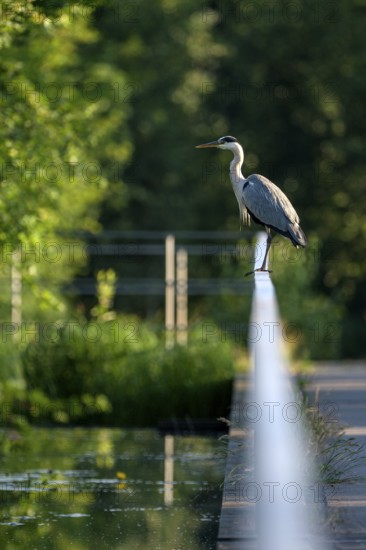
(268, 203)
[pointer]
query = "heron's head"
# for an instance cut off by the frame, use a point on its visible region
(226, 142)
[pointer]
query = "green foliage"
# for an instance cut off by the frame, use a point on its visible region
(127, 375)
(105, 294)
(193, 381)
(169, 51)
(58, 116)
(311, 321)
(281, 80)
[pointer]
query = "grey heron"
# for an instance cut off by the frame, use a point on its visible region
(260, 199)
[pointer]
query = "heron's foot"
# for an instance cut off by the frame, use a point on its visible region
(259, 269)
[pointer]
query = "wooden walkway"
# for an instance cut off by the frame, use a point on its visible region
(237, 521)
(339, 389)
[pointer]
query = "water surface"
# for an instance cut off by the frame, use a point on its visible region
(104, 489)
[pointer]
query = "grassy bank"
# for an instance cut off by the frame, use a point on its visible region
(115, 373)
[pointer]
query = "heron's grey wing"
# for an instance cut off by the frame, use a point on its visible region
(268, 203)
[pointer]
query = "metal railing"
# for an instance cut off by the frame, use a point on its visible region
(131, 246)
(123, 251)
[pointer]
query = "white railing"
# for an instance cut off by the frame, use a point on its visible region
(285, 479)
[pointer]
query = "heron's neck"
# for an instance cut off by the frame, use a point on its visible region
(236, 164)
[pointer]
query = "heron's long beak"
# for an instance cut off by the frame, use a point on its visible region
(210, 144)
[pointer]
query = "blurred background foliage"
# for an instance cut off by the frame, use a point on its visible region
(102, 105)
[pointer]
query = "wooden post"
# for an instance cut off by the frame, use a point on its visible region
(169, 291)
(16, 293)
(182, 296)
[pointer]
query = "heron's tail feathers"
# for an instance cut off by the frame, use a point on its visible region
(297, 235)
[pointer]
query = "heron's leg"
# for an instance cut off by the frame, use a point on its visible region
(269, 241)
(268, 246)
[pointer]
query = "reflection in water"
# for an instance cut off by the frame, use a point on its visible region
(108, 488)
(168, 469)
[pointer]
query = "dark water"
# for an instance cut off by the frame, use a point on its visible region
(104, 489)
